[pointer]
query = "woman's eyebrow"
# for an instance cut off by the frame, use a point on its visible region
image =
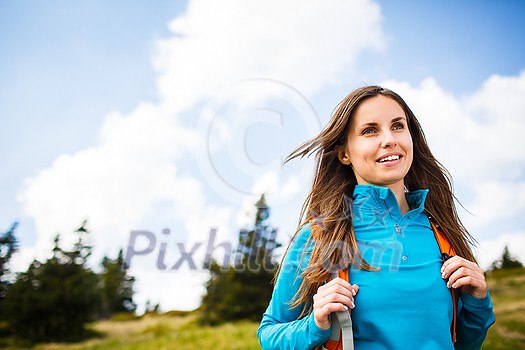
(398, 119)
(369, 124)
(375, 123)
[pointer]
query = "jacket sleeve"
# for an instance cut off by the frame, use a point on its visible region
(475, 318)
(280, 327)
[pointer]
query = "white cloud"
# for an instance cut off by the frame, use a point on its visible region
(140, 175)
(497, 201)
(476, 136)
(278, 192)
(305, 44)
(250, 127)
(127, 177)
(269, 183)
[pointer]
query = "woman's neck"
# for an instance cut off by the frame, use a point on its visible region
(399, 192)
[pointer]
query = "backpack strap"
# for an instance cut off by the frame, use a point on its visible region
(447, 251)
(342, 337)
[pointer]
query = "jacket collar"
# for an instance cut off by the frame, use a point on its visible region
(384, 198)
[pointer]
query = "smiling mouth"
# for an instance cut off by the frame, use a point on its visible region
(389, 158)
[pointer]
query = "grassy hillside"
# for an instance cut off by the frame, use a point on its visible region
(163, 332)
(507, 288)
(167, 332)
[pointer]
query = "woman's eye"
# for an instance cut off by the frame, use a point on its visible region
(367, 131)
(398, 126)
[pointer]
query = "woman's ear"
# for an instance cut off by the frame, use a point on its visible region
(343, 156)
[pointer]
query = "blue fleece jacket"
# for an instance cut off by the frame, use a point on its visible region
(404, 304)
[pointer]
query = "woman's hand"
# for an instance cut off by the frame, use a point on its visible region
(336, 295)
(464, 274)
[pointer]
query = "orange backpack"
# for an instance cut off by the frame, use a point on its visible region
(342, 337)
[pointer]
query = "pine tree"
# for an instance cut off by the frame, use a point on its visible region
(507, 261)
(55, 299)
(242, 290)
(116, 287)
(8, 246)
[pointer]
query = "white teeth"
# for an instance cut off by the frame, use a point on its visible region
(389, 158)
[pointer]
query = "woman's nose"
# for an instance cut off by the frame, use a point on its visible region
(389, 139)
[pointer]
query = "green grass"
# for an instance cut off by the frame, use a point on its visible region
(507, 288)
(163, 332)
(181, 331)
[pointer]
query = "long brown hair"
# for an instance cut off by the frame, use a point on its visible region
(328, 205)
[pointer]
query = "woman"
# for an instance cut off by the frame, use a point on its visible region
(376, 185)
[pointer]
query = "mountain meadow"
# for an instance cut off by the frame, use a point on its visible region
(179, 330)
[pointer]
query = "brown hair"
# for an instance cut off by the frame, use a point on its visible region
(328, 205)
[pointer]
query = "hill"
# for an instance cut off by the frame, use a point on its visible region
(154, 332)
(180, 331)
(507, 288)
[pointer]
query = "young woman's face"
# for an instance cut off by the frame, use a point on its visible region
(379, 146)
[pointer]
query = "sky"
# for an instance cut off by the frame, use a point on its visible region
(162, 123)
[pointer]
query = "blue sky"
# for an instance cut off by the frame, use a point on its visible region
(104, 112)
(64, 66)
(460, 43)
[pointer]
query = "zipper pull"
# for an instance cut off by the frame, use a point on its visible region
(398, 229)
